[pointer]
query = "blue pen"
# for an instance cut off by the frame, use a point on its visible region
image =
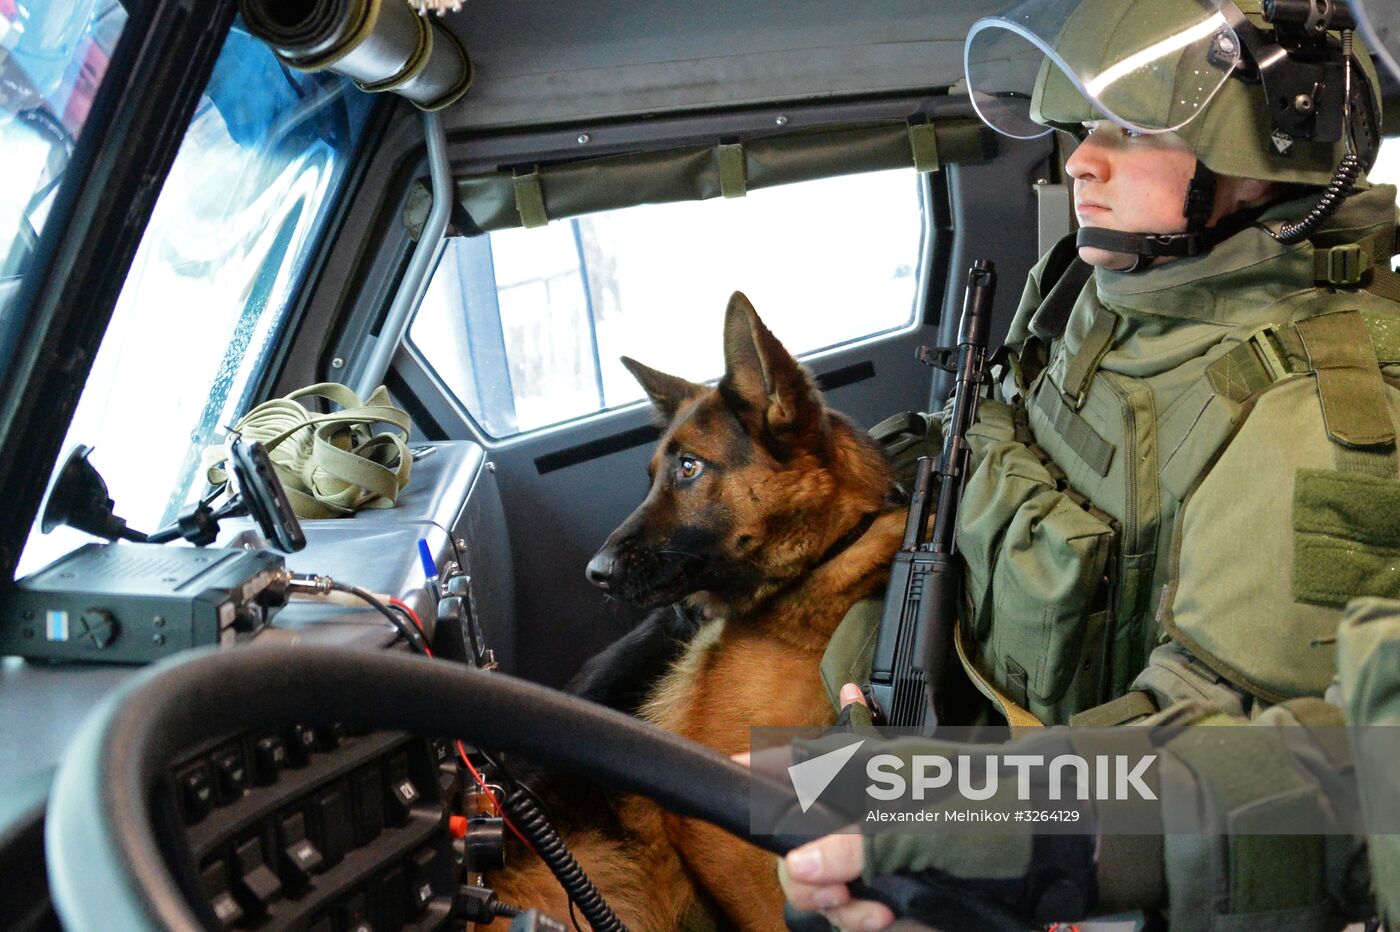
(430, 571)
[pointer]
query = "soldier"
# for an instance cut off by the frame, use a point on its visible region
(1190, 466)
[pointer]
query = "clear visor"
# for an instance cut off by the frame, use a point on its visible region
(1130, 63)
(1380, 27)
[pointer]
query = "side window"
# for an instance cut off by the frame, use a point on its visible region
(1387, 170)
(526, 327)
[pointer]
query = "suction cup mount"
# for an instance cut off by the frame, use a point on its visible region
(79, 499)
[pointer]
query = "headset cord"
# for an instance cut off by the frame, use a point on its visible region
(543, 837)
(1343, 179)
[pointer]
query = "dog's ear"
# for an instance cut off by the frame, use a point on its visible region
(764, 376)
(665, 391)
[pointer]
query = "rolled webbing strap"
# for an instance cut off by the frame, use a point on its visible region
(383, 45)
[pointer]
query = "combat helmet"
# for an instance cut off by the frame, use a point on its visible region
(1280, 91)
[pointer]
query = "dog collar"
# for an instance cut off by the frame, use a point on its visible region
(850, 537)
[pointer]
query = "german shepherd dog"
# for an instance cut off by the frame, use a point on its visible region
(769, 514)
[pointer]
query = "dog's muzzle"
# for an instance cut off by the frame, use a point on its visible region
(644, 577)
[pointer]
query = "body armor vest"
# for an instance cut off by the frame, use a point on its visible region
(1185, 455)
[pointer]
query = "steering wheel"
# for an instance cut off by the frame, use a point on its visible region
(109, 861)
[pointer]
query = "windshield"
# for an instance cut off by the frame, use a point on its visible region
(53, 57)
(228, 245)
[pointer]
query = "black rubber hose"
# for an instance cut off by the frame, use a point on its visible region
(531, 821)
(108, 869)
(1343, 180)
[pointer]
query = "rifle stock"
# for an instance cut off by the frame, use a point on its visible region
(915, 642)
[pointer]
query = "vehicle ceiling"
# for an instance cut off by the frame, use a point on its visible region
(543, 63)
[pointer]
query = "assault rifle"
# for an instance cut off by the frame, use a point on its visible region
(908, 672)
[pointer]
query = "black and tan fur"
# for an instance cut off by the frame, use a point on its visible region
(759, 540)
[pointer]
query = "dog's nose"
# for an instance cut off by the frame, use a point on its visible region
(601, 569)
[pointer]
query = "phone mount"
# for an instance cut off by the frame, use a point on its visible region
(79, 499)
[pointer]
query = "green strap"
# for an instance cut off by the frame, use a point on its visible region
(923, 142)
(1260, 360)
(733, 180)
(529, 199)
(1074, 430)
(1384, 282)
(1365, 264)
(411, 68)
(1271, 353)
(1346, 350)
(1354, 406)
(1344, 265)
(331, 465)
(1084, 362)
(1128, 707)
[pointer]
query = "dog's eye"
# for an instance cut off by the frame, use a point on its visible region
(690, 467)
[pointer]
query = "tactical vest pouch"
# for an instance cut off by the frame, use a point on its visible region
(1301, 473)
(1039, 631)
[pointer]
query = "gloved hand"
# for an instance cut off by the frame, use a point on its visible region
(952, 878)
(815, 876)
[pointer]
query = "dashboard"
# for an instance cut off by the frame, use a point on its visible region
(322, 827)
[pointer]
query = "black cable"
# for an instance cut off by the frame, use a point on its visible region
(479, 905)
(1348, 170)
(405, 628)
(522, 786)
(530, 820)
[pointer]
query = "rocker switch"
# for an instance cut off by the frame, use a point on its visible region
(405, 795)
(214, 880)
(257, 884)
(301, 856)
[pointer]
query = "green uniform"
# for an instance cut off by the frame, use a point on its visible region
(1187, 473)
(1203, 564)
(1170, 478)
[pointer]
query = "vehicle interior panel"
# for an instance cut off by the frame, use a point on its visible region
(326, 796)
(521, 515)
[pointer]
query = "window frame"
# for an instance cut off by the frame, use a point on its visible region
(932, 262)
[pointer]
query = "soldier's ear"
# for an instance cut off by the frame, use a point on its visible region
(763, 378)
(666, 392)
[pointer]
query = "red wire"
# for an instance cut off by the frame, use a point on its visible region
(416, 623)
(461, 751)
(481, 782)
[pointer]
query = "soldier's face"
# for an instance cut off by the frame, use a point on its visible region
(1130, 183)
(1136, 183)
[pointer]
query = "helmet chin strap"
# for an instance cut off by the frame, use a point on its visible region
(1145, 247)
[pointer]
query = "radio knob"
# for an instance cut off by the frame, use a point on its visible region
(99, 628)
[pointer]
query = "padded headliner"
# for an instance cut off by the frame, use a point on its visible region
(554, 62)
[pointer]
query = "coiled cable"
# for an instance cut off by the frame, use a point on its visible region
(1348, 170)
(530, 819)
